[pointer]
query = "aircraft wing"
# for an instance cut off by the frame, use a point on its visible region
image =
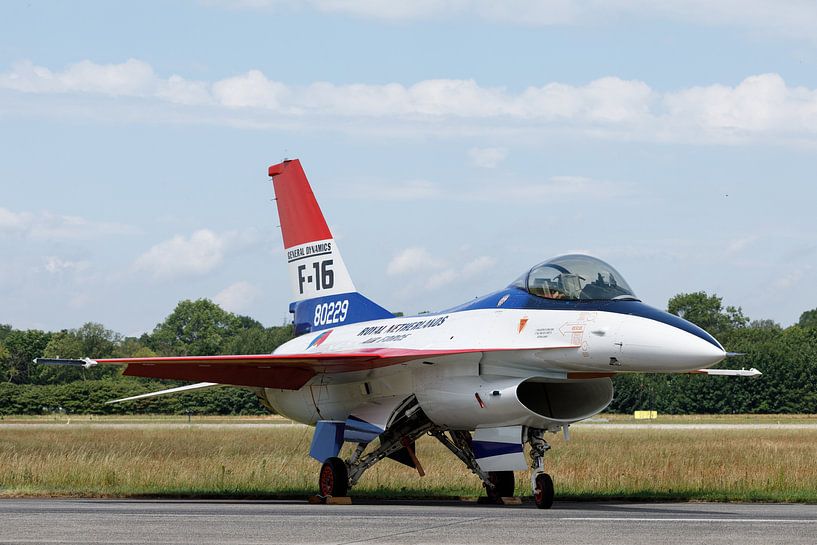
(287, 372)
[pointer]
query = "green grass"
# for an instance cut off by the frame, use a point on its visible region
(81, 460)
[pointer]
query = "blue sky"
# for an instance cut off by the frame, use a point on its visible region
(451, 143)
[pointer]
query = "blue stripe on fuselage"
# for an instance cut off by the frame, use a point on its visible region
(520, 299)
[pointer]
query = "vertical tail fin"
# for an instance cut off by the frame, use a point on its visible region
(324, 293)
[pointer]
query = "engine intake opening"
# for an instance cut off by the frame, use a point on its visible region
(566, 401)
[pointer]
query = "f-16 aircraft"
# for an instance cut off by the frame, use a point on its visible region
(485, 378)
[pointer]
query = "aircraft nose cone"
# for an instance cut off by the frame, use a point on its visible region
(649, 345)
(698, 352)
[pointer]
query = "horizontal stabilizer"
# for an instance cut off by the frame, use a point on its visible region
(179, 389)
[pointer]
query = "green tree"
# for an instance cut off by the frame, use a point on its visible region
(258, 340)
(808, 319)
(707, 311)
(195, 328)
(92, 340)
(5, 329)
(765, 324)
(4, 362)
(131, 347)
(23, 347)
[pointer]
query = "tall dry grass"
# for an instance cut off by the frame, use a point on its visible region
(763, 464)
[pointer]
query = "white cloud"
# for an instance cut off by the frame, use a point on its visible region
(252, 89)
(468, 270)
(439, 271)
(759, 104)
(478, 265)
(440, 279)
(14, 221)
(131, 78)
(791, 278)
(794, 18)
(487, 157)
(195, 255)
(181, 256)
(412, 260)
(738, 245)
(237, 297)
(56, 265)
(49, 226)
(181, 91)
(761, 107)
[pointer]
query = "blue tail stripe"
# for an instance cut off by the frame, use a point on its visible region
(335, 310)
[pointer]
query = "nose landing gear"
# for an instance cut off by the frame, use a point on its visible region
(541, 483)
(543, 491)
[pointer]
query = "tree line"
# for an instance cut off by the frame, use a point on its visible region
(194, 328)
(786, 356)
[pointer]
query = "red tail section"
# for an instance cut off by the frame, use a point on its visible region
(301, 217)
(324, 294)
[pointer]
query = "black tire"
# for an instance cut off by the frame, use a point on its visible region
(543, 495)
(503, 485)
(333, 479)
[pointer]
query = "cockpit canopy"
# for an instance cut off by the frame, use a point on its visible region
(575, 277)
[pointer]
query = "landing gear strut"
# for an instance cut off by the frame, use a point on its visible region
(541, 483)
(498, 484)
(460, 444)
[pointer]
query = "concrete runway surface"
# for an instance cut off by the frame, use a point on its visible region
(267, 522)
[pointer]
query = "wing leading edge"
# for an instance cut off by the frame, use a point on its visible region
(288, 372)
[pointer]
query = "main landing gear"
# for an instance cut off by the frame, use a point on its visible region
(397, 442)
(338, 476)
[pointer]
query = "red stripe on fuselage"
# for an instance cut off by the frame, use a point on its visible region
(301, 218)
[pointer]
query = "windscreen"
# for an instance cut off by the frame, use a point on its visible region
(577, 277)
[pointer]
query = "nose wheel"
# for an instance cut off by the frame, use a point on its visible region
(540, 481)
(543, 491)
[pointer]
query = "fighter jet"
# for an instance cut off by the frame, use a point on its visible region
(485, 378)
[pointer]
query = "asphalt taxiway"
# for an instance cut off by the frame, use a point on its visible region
(296, 522)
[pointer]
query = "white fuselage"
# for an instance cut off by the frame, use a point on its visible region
(505, 344)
